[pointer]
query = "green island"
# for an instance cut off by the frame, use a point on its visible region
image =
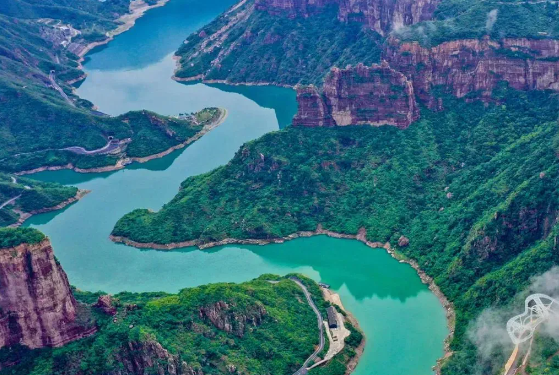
(21, 197)
(264, 326)
(463, 196)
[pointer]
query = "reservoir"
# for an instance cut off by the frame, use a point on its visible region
(403, 321)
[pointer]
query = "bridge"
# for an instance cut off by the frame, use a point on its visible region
(538, 308)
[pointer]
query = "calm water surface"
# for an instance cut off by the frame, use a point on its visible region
(402, 320)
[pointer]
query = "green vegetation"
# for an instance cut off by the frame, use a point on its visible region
(544, 358)
(149, 133)
(280, 49)
(36, 122)
(256, 327)
(91, 17)
(468, 19)
(12, 237)
(31, 196)
(474, 188)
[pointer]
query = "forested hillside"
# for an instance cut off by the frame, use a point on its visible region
(474, 189)
(40, 114)
(257, 327)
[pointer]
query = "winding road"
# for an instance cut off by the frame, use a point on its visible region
(303, 370)
(59, 89)
(108, 148)
(9, 201)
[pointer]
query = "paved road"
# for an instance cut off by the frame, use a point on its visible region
(303, 369)
(59, 89)
(9, 201)
(110, 146)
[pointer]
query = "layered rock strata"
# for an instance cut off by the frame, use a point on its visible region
(473, 68)
(376, 95)
(37, 308)
(382, 16)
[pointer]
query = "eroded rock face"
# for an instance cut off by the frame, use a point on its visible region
(149, 357)
(376, 95)
(382, 16)
(223, 316)
(472, 68)
(105, 304)
(373, 95)
(37, 308)
(312, 110)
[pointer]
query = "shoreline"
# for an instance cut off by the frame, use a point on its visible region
(200, 79)
(122, 163)
(448, 306)
(128, 21)
(23, 216)
(335, 299)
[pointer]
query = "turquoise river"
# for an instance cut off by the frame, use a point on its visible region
(403, 321)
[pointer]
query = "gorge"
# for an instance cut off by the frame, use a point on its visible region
(464, 186)
(132, 73)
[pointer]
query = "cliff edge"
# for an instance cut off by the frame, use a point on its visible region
(37, 308)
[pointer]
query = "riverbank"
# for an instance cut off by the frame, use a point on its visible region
(137, 9)
(200, 78)
(123, 162)
(360, 236)
(26, 215)
(334, 298)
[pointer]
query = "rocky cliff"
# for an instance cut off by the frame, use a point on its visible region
(37, 308)
(374, 95)
(382, 16)
(223, 316)
(311, 108)
(149, 357)
(472, 68)
(469, 69)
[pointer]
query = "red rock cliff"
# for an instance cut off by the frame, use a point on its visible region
(376, 95)
(311, 110)
(473, 67)
(37, 308)
(382, 16)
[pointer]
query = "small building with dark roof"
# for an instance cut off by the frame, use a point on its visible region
(332, 317)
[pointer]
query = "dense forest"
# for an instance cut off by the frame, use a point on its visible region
(29, 196)
(10, 237)
(281, 50)
(257, 327)
(278, 48)
(473, 188)
(36, 121)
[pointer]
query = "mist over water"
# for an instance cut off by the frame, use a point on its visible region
(403, 321)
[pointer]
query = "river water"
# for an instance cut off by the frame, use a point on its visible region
(403, 321)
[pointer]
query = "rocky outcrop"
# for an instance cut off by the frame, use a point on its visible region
(312, 110)
(37, 308)
(382, 16)
(149, 357)
(376, 95)
(225, 317)
(105, 304)
(472, 68)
